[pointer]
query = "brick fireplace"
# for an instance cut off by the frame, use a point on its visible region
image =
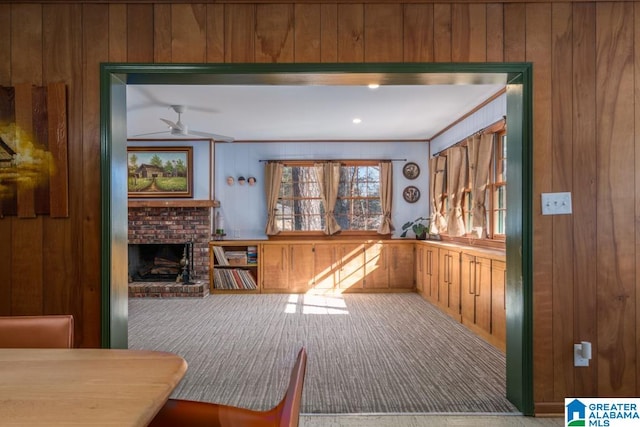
(173, 226)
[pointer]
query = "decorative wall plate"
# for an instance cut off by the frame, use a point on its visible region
(411, 170)
(411, 194)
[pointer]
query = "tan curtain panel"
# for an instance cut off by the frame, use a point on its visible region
(480, 149)
(438, 223)
(272, 181)
(386, 196)
(329, 181)
(456, 179)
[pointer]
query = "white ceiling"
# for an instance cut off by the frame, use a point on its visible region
(304, 112)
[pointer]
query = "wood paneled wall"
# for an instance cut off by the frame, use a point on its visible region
(586, 104)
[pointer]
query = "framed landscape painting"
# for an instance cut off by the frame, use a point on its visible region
(160, 172)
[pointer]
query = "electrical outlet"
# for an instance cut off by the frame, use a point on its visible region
(556, 204)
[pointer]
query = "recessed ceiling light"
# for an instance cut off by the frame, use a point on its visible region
(374, 85)
(357, 121)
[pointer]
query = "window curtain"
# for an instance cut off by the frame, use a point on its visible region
(456, 179)
(329, 181)
(272, 181)
(386, 196)
(438, 223)
(480, 148)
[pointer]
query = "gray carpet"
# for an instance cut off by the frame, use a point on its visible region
(367, 353)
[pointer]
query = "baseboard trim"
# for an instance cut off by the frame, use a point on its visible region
(549, 409)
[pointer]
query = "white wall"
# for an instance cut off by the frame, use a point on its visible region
(244, 207)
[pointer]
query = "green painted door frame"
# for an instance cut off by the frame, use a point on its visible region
(519, 80)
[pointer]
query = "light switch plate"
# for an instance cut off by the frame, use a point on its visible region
(556, 204)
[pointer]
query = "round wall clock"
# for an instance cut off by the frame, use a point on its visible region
(411, 170)
(411, 194)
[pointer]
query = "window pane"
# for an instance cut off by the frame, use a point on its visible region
(300, 207)
(500, 209)
(501, 198)
(467, 208)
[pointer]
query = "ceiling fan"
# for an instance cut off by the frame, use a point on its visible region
(179, 128)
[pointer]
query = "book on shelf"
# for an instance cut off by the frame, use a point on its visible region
(236, 257)
(221, 258)
(233, 278)
(252, 254)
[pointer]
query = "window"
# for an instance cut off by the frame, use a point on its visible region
(358, 207)
(495, 196)
(300, 202)
(498, 188)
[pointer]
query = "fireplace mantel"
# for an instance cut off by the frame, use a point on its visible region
(174, 203)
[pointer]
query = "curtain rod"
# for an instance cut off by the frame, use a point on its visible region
(332, 160)
(479, 132)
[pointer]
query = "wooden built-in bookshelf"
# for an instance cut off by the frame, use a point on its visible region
(233, 267)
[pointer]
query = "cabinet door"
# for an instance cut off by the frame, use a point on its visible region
(483, 293)
(400, 261)
(376, 267)
(301, 267)
(449, 282)
(444, 277)
(468, 288)
(498, 301)
(431, 273)
(301, 257)
(420, 269)
(326, 266)
(351, 266)
(454, 284)
(275, 267)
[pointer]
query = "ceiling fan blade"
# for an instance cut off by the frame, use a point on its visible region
(149, 133)
(171, 124)
(214, 136)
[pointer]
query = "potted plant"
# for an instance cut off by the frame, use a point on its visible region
(419, 226)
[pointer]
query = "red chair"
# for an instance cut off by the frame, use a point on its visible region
(187, 413)
(53, 331)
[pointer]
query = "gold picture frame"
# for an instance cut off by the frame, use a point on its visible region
(160, 172)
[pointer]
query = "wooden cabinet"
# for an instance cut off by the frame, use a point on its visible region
(426, 269)
(389, 266)
(339, 266)
(475, 295)
(499, 303)
(326, 266)
(233, 267)
(287, 267)
(467, 283)
(419, 265)
(449, 281)
(351, 266)
(376, 267)
(400, 258)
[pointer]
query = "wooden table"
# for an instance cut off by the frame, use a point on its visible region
(85, 387)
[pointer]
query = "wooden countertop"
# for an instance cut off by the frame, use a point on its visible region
(85, 387)
(478, 250)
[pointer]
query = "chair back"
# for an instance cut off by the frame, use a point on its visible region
(180, 412)
(49, 331)
(289, 408)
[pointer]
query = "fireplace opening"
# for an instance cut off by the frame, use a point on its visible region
(165, 262)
